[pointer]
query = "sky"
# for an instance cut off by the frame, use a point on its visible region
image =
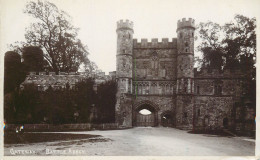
(97, 20)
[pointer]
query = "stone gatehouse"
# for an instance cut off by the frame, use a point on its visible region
(160, 77)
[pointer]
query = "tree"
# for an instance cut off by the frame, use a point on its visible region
(231, 46)
(106, 101)
(14, 73)
(33, 59)
(240, 44)
(54, 33)
(9, 108)
(91, 68)
(210, 47)
(84, 98)
(26, 103)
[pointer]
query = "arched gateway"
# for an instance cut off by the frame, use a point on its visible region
(150, 118)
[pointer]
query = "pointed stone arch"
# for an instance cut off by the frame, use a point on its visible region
(154, 105)
(148, 120)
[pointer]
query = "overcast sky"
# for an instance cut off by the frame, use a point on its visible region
(97, 20)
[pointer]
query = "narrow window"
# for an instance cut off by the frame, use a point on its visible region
(185, 114)
(198, 112)
(198, 90)
(219, 90)
(215, 89)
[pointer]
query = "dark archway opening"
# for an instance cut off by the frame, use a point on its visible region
(167, 120)
(145, 116)
(225, 123)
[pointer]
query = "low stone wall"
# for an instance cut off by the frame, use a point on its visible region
(63, 127)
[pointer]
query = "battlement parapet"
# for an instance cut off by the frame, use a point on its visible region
(42, 73)
(52, 73)
(63, 73)
(215, 73)
(125, 24)
(32, 73)
(73, 73)
(186, 23)
(155, 43)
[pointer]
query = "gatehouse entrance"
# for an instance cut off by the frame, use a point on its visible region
(145, 116)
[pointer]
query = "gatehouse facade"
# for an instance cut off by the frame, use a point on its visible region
(160, 76)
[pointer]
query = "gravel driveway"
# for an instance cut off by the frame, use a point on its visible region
(141, 141)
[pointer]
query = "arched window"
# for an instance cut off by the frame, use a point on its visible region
(180, 35)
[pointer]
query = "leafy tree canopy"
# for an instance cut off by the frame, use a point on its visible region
(232, 45)
(53, 32)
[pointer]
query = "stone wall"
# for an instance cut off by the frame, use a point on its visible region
(154, 63)
(209, 112)
(184, 111)
(124, 110)
(62, 127)
(209, 86)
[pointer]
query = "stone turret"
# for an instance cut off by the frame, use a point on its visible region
(124, 70)
(185, 59)
(185, 73)
(190, 23)
(125, 25)
(124, 55)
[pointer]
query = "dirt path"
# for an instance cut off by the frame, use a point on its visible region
(142, 142)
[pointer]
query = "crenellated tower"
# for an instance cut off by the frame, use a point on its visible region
(124, 69)
(185, 74)
(185, 59)
(124, 55)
